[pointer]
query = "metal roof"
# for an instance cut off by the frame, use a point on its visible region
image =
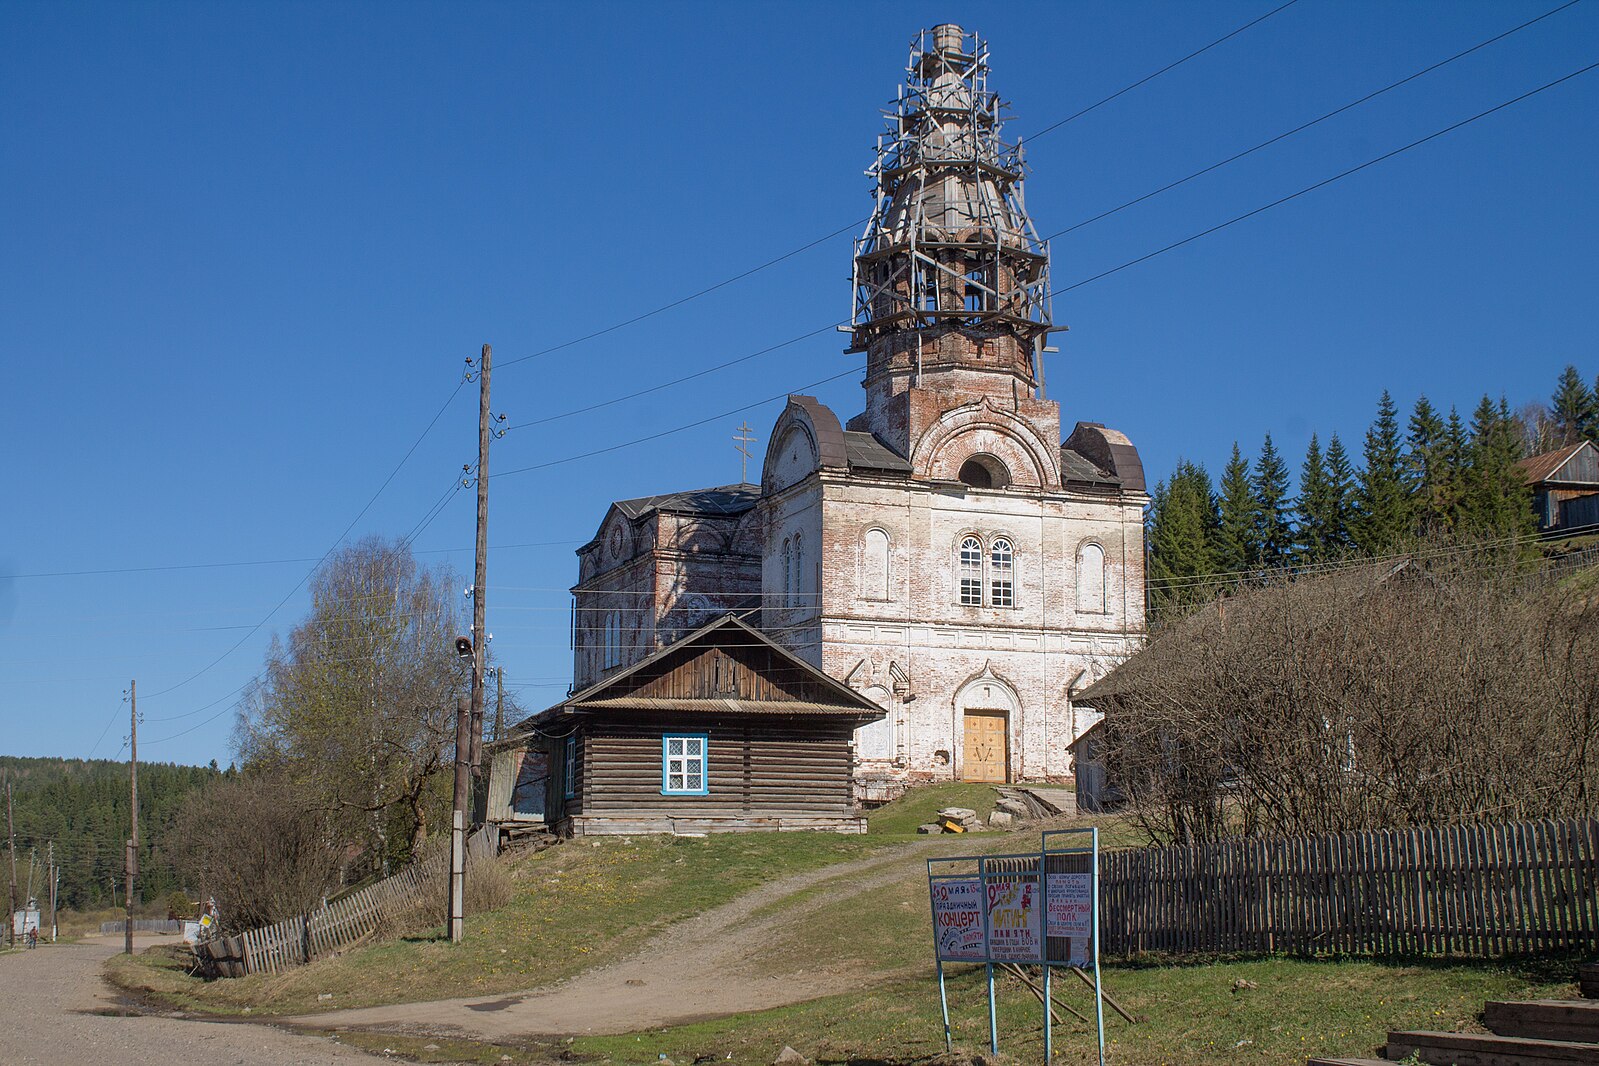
(1544, 467)
(722, 703)
(726, 500)
(865, 451)
(1074, 467)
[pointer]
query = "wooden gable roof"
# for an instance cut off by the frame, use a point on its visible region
(726, 666)
(1576, 464)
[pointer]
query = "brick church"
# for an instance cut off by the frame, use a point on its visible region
(947, 551)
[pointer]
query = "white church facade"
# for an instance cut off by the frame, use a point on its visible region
(946, 551)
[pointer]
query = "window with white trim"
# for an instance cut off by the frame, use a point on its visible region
(684, 764)
(971, 572)
(569, 767)
(1001, 592)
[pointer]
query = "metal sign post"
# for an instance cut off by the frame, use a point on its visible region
(1071, 873)
(1039, 908)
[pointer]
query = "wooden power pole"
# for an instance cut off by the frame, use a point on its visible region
(463, 778)
(480, 587)
(131, 865)
(11, 835)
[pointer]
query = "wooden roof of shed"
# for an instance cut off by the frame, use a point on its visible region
(793, 686)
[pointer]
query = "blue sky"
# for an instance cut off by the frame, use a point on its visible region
(245, 248)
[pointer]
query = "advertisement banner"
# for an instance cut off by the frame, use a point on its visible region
(958, 920)
(1015, 926)
(1070, 912)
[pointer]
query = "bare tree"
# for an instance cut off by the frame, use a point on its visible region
(1381, 695)
(257, 847)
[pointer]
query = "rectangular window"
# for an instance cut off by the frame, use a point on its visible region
(684, 764)
(1002, 593)
(569, 767)
(971, 592)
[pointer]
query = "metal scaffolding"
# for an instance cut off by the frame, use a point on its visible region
(949, 245)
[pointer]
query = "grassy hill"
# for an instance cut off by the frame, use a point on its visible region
(588, 903)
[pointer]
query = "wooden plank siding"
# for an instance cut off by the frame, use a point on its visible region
(1471, 890)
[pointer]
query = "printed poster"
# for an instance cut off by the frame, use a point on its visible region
(1070, 908)
(1015, 926)
(958, 920)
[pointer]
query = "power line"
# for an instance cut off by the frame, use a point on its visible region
(675, 429)
(1325, 181)
(1168, 67)
(680, 301)
(1313, 122)
(331, 548)
(1096, 277)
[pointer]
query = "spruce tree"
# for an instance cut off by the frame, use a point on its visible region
(1426, 467)
(1315, 506)
(1273, 531)
(1340, 496)
(1385, 522)
(1455, 471)
(1236, 549)
(1574, 407)
(1497, 502)
(1181, 536)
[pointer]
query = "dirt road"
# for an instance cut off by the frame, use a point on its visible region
(700, 968)
(60, 1010)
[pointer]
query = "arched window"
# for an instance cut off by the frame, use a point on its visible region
(788, 572)
(971, 572)
(799, 570)
(983, 472)
(874, 565)
(1001, 590)
(1091, 579)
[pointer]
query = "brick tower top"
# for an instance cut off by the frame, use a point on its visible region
(951, 280)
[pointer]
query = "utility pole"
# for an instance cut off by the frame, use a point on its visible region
(55, 884)
(11, 835)
(499, 702)
(463, 776)
(480, 587)
(131, 866)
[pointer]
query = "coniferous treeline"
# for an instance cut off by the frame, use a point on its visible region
(82, 805)
(1435, 477)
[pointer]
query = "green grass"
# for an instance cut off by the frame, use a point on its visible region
(578, 905)
(1189, 1014)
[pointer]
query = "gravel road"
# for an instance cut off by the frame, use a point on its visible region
(60, 1010)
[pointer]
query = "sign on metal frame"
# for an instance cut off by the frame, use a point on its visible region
(1034, 907)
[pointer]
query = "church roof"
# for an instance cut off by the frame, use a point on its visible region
(724, 500)
(866, 452)
(1074, 467)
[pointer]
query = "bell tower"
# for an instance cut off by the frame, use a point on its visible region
(951, 282)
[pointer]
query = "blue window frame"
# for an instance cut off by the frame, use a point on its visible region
(685, 763)
(569, 770)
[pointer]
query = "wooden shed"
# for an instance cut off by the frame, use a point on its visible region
(723, 730)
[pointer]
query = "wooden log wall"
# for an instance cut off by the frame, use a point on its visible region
(1468, 890)
(341, 922)
(759, 768)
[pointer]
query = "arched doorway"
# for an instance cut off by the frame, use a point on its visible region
(984, 707)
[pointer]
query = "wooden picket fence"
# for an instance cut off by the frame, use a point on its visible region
(337, 924)
(1473, 890)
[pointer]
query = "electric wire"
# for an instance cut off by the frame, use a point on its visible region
(323, 558)
(1313, 122)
